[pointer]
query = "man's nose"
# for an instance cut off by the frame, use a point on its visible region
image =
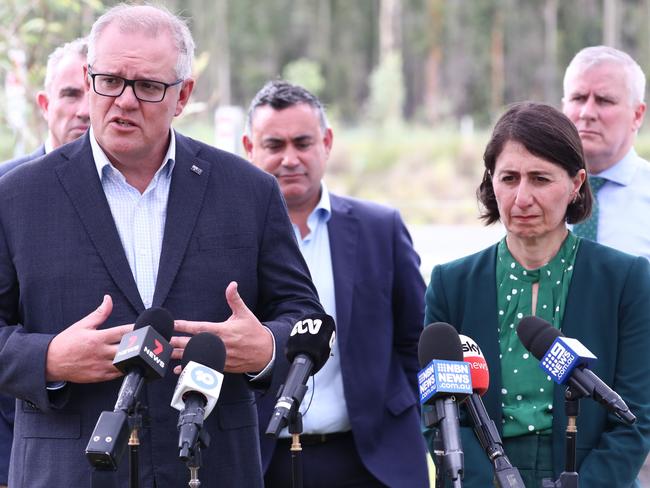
(588, 110)
(290, 158)
(127, 98)
(82, 108)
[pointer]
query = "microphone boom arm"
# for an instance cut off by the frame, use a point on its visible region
(505, 474)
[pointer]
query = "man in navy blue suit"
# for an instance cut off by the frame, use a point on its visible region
(362, 424)
(134, 215)
(64, 105)
(63, 101)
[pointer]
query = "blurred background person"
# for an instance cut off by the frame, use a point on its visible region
(64, 106)
(63, 101)
(362, 426)
(604, 91)
(534, 183)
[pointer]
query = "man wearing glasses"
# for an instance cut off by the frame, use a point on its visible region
(134, 215)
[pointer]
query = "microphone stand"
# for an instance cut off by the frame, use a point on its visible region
(195, 459)
(135, 423)
(439, 452)
(295, 429)
(569, 477)
(505, 474)
(451, 460)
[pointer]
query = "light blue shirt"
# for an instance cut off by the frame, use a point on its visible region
(140, 221)
(139, 217)
(324, 402)
(624, 206)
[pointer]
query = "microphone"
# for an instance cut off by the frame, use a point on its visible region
(443, 382)
(197, 390)
(477, 365)
(308, 347)
(143, 354)
(505, 474)
(567, 361)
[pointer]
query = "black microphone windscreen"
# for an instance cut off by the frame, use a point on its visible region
(313, 337)
(537, 335)
(206, 349)
(439, 341)
(158, 318)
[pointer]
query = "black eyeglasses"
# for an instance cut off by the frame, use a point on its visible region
(108, 85)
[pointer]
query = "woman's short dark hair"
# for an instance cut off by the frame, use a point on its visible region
(546, 133)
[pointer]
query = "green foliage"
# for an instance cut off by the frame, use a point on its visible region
(386, 99)
(37, 27)
(306, 73)
(430, 175)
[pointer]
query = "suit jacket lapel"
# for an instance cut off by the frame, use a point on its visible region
(78, 176)
(189, 183)
(480, 316)
(343, 236)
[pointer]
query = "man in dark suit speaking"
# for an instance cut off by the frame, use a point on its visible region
(130, 216)
(362, 426)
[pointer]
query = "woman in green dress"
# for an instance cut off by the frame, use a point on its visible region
(534, 183)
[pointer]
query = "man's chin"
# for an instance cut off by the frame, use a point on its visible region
(592, 149)
(74, 135)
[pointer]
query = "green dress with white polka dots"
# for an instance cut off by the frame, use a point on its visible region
(527, 392)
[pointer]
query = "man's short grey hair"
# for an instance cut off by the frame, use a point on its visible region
(594, 55)
(150, 19)
(78, 47)
(280, 94)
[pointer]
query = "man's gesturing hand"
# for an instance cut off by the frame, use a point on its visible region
(83, 354)
(249, 345)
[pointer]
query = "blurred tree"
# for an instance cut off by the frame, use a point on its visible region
(433, 60)
(386, 100)
(611, 29)
(386, 92)
(551, 81)
(497, 61)
(305, 73)
(434, 108)
(35, 28)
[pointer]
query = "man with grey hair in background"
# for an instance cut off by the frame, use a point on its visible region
(63, 101)
(64, 105)
(604, 91)
(133, 216)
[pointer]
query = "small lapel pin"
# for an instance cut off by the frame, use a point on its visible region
(196, 169)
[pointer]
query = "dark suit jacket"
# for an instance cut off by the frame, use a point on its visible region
(14, 163)
(608, 310)
(60, 252)
(7, 403)
(379, 306)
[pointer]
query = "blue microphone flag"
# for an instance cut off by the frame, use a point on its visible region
(564, 355)
(444, 378)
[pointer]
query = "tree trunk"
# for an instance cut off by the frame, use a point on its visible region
(551, 83)
(390, 32)
(610, 23)
(497, 63)
(222, 52)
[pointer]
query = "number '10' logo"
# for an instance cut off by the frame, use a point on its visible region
(204, 377)
(311, 326)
